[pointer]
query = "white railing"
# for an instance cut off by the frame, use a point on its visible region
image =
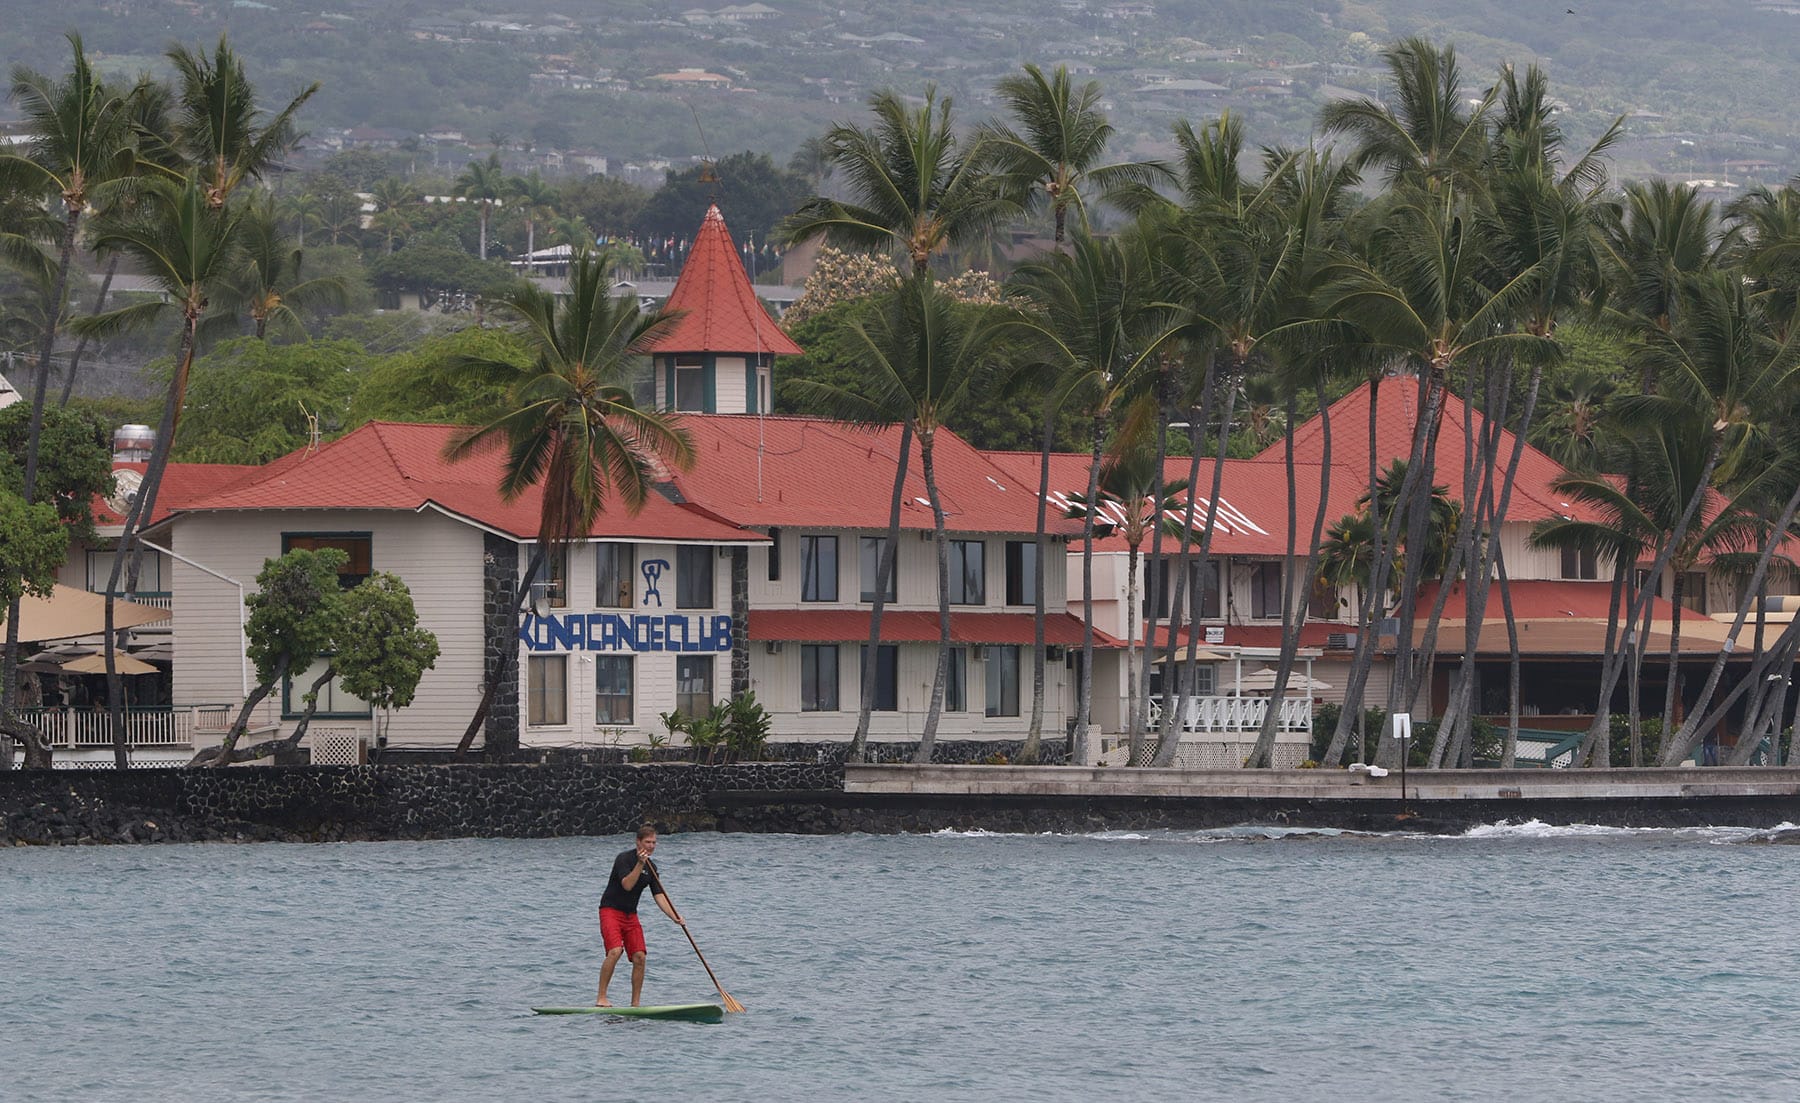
(171, 727)
(1239, 714)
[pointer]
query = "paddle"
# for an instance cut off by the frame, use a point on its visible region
(656, 886)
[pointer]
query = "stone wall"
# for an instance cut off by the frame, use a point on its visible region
(500, 638)
(325, 803)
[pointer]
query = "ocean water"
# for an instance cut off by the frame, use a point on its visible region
(1514, 963)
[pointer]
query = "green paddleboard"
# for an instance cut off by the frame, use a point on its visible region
(683, 1012)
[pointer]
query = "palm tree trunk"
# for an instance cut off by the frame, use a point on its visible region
(1153, 582)
(883, 572)
(1034, 735)
(1752, 596)
(928, 736)
(1509, 757)
(1085, 694)
(484, 224)
(1415, 493)
(1168, 736)
(1672, 690)
(1197, 597)
(1134, 731)
(81, 343)
(1350, 714)
(1614, 665)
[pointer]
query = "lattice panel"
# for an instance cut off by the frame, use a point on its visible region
(335, 747)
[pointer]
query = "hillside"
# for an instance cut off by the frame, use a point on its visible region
(1709, 84)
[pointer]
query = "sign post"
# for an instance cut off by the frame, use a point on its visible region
(1402, 726)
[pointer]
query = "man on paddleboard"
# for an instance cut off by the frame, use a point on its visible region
(619, 927)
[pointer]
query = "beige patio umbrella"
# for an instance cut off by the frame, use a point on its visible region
(1264, 680)
(96, 664)
(70, 612)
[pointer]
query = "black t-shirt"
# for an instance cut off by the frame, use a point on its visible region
(617, 896)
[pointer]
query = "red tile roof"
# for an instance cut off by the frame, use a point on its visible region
(1396, 414)
(1252, 515)
(392, 466)
(1543, 600)
(718, 306)
(910, 626)
(181, 483)
(796, 471)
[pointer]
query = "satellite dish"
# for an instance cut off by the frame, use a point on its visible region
(540, 598)
(126, 483)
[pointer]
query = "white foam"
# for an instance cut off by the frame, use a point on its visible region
(1537, 829)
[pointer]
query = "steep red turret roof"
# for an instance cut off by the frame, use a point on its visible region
(719, 310)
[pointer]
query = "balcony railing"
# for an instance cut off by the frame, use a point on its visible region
(144, 727)
(1239, 714)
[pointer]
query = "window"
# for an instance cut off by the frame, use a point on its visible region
(956, 681)
(693, 685)
(1205, 679)
(615, 569)
(1580, 563)
(818, 677)
(690, 386)
(887, 676)
(818, 568)
(356, 545)
(775, 555)
(1002, 681)
(1322, 603)
(694, 576)
(1265, 591)
(871, 549)
(555, 571)
(547, 691)
(333, 701)
(612, 689)
(968, 572)
(1021, 572)
(150, 573)
(1208, 573)
(1693, 591)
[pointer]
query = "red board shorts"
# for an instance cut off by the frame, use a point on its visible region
(619, 928)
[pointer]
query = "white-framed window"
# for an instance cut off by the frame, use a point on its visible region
(869, 549)
(887, 676)
(333, 701)
(1002, 680)
(1582, 564)
(694, 576)
(694, 685)
(968, 572)
(613, 684)
(956, 681)
(1265, 591)
(1021, 572)
(690, 385)
(818, 568)
(150, 573)
(615, 575)
(547, 691)
(818, 677)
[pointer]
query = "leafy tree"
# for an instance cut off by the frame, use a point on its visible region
(748, 187)
(429, 262)
(76, 464)
(606, 204)
(33, 544)
(251, 402)
(417, 386)
(380, 652)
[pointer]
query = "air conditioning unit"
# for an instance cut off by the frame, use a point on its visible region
(1340, 641)
(977, 653)
(773, 647)
(1387, 626)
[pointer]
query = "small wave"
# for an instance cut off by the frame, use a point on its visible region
(1538, 829)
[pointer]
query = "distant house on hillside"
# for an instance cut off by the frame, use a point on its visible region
(693, 78)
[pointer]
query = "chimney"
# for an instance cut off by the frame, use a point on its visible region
(133, 444)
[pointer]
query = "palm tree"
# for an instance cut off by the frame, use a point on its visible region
(189, 250)
(1101, 328)
(1053, 157)
(922, 353)
(482, 183)
(307, 212)
(1135, 500)
(269, 287)
(913, 185)
(536, 201)
(392, 197)
(1428, 138)
(1658, 237)
(79, 140)
(571, 424)
(219, 131)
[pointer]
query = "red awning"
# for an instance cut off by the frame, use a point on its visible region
(835, 625)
